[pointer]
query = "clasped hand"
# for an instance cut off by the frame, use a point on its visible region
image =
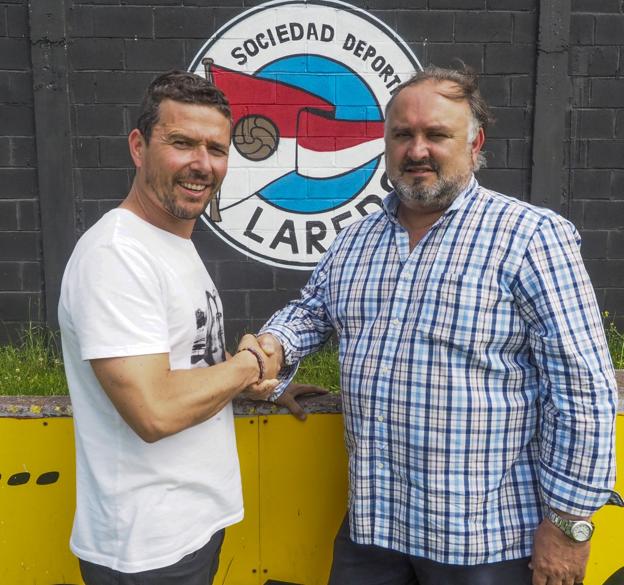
(269, 350)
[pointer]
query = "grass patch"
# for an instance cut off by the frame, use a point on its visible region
(615, 339)
(33, 366)
(321, 369)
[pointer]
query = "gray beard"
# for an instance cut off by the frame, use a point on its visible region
(440, 195)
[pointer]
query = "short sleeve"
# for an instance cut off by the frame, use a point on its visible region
(117, 303)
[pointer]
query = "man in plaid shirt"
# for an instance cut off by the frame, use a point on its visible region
(478, 393)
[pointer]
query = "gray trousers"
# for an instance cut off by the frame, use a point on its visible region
(358, 564)
(197, 568)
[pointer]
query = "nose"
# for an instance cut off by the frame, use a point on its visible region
(418, 148)
(202, 160)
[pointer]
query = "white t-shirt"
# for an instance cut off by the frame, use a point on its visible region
(133, 289)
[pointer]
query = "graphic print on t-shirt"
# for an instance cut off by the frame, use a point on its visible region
(209, 342)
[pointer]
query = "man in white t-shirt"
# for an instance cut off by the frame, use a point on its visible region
(142, 328)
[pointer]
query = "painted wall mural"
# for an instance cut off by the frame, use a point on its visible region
(308, 83)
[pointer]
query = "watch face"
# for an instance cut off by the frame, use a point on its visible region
(582, 531)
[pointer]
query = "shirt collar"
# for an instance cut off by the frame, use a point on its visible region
(391, 201)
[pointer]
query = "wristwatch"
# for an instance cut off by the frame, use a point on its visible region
(576, 530)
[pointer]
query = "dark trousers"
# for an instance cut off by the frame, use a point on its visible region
(197, 568)
(357, 564)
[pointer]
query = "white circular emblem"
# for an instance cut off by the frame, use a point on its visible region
(307, 82)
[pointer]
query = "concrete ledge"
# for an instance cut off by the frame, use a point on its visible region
(53, 406)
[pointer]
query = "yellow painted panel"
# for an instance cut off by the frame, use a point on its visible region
(303, 481)
(35, 520)
(608, 542)
(240, 556)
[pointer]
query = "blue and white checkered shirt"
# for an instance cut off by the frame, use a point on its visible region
(476, 379)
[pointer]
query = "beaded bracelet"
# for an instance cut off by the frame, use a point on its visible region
(260, 361)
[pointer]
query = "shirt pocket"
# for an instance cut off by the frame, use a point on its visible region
(463, 309)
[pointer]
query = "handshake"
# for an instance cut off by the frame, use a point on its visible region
(269, 355)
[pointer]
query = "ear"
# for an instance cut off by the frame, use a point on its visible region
(477, 144)
(137, 145)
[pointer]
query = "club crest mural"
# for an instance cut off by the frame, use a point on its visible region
(308, 83)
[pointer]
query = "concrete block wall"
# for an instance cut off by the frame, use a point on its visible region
(115, 47)
(21, 281)
(597, 144)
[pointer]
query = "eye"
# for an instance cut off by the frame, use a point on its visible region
(181, 143)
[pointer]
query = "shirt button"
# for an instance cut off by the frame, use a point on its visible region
(396, 322)
(384, 369)
(380, 418)
(380, 465)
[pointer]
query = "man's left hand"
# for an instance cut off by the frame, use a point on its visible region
(556, 559)
(288, 398)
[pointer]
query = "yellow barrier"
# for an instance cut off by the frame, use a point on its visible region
(294, 481)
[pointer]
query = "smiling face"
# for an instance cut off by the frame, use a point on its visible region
(182, 167)
(431, 145)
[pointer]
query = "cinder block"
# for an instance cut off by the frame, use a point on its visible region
(291, 280)
(82, 87)
(114, 153)
(609, 29)
(104, 183)
(20, 306)
(96, 53)
(86, 152)
(433, 26)
(8, 215)
(577, 213)
(31, 277)
(123, 21)
(236, 303)
(486, 27)
(19, 246)
(5, 151)
(263, 304)
(510, 122)
(457, 4)
(14, 53)
(158, 55)
(223, 14)
(590, 183)
(244, 275)
(80, 21)
(394, 4)
(619, 124)
(17, 183)
(99, 120)
(582, 28)
(595, 6)
(594, 244)
(615, 247)
(184, 22)
(210, 247)
(525, 25)
(28, 215)
(121, 87)
(9, 276)
(617, 185)
(496, 153)
(23, 153)
(508, 181)
(519, 156)
(528, 5)
(594, 123)
(522, 90)
(509, 58)
(593, 61)
(446, 54)
(495, 89)
(16, 88)
(606, 154)
(17, 21)
(3, 23)
(388, 17)
(604, 215)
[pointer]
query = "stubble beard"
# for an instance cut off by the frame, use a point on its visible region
(169, 201)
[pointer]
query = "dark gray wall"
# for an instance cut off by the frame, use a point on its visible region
(109, 50)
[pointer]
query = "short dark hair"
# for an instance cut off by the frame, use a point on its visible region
(467, 89)
(179, 86)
